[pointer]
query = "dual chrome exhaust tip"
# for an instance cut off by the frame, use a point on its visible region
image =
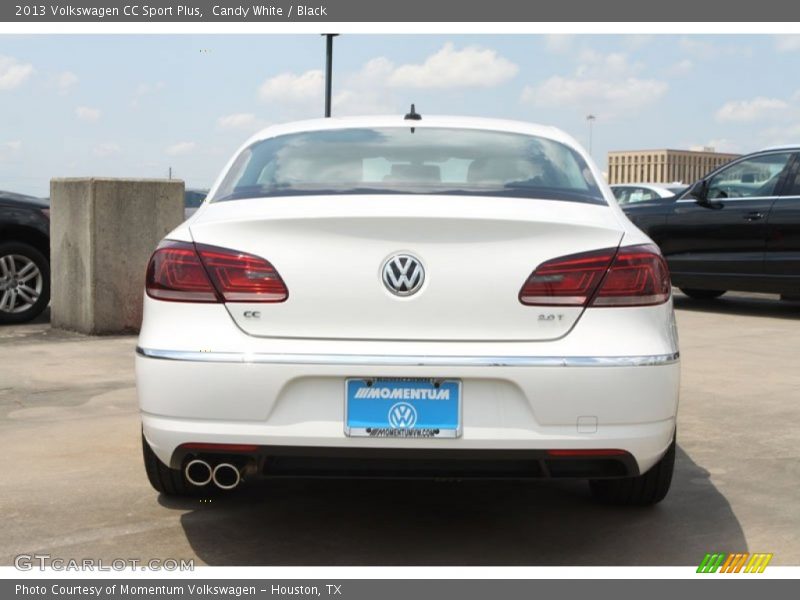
(225, 475)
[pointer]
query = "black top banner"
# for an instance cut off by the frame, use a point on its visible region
(398, 11)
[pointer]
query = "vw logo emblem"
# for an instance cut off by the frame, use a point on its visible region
(403, 274)
(402, 416)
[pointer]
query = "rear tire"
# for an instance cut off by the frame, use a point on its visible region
(642, 490)
(170, 482)
(702, 294)
(24, 282)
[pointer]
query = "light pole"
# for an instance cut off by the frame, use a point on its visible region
(591, 119)
(328, 71)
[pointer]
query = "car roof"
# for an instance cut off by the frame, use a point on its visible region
(781, 147)
(24, 199)
(441, 121)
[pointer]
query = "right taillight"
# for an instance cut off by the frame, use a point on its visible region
(639, 276)
(628, 276)
(187, 272)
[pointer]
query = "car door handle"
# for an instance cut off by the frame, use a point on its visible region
(754, 216)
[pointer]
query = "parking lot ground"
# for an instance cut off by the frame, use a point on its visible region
(73, 485)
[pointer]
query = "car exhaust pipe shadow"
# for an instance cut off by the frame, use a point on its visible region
(491, 522)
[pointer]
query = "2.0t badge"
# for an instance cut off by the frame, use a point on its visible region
(403, 274)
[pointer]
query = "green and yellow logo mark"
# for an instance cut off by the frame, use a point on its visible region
(734, 563)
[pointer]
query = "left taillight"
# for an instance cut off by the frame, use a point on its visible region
(187, 272)
(241, 277)
(176, 273)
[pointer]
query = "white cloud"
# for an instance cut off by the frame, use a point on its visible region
(65, 81)
(595, 94)
(289, 87)
(682, 67)
(180, 148)
(87, 113)
(365, 92)
(106, 149)
(751, 110)
(451, 68)
(13, 73)
(787, 43)
(608, 84)
(239, 121)
(375, 87)
(377, 69)
(362, 92)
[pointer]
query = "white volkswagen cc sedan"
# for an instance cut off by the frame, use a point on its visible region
(409, 297)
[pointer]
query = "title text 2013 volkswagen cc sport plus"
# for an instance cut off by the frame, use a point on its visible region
(392, 296)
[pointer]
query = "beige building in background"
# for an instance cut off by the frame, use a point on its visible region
(663, 166)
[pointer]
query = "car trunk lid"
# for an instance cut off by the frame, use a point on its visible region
(476, 253)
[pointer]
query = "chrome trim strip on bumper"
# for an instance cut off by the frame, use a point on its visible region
(411, 361)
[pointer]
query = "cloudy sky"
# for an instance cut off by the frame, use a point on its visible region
(138, 105)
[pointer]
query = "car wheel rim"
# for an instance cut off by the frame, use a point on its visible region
(21, 283)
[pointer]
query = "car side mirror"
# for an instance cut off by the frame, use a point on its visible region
(699, 191)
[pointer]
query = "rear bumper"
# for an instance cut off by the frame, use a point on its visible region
(611, 383)
(515, 408)
(410, 463)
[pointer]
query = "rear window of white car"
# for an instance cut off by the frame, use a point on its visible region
(407, 160)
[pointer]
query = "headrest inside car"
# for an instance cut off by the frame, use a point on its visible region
(423, 173)
(500, 170)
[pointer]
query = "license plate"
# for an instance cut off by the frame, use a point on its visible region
(403, 408)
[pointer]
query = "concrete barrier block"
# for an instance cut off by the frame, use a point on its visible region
(102, 232)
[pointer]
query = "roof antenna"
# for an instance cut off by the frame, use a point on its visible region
(413, 116)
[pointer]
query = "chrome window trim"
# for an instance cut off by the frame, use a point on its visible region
(410, 361)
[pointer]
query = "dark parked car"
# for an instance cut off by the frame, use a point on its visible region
(192, 199)
(738, 228)
(24, 257)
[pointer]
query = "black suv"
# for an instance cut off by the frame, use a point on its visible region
(738, 228)
(24, 257)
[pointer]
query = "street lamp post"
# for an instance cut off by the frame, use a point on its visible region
(328, 71)
(591, 119)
